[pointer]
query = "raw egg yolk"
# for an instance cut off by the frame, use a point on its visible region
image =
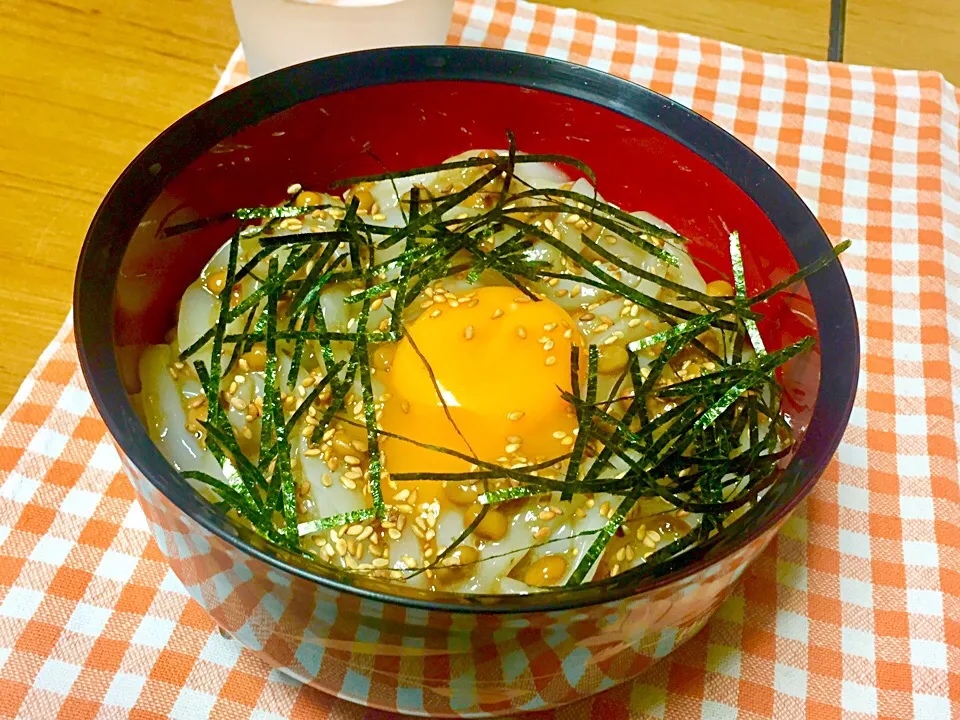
(500, 361)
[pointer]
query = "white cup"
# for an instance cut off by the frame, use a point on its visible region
(278, 33)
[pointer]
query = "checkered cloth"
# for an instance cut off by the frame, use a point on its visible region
(852, 612)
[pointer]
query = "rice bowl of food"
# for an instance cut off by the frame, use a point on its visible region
(477, 406)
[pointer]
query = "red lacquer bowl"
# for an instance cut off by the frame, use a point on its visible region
(445, 654)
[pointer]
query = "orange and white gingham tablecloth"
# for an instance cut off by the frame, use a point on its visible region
(852, 612)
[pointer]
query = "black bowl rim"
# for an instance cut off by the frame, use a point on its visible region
(251, 102)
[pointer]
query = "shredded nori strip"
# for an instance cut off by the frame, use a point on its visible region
(335, 521)
(584, 419)
(369, 413)
(740, 286)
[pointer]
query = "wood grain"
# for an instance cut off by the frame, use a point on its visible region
(919, 35)
(796, 27)
(85, 84)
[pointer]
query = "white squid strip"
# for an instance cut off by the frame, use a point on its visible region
(166, 418)
(575, 545)
(500, 557)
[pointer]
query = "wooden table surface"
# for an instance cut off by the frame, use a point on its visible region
(85, 84)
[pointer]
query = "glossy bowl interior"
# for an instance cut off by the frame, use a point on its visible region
(357, 114)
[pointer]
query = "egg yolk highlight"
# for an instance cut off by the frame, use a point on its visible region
(500, 362)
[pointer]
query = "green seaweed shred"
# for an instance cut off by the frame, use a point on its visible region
(740, 285)
(335, 521)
